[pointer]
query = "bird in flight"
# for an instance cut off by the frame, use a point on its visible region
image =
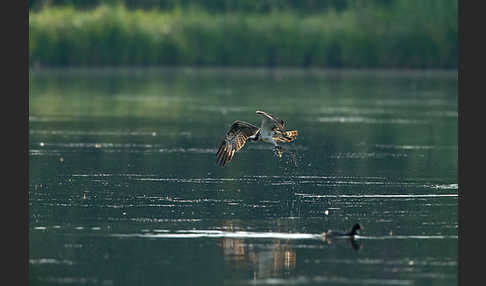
(271, 131)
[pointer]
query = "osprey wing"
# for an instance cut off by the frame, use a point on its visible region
(234, 140)
(270, 122)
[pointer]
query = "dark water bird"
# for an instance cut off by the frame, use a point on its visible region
(337, 234)
(271, 131)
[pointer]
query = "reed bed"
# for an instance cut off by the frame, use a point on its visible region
(403, 36)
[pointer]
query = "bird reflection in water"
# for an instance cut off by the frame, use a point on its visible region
(276, 257)
(266, 262)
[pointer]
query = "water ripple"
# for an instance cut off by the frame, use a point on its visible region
(221, 234)
(261, 235)
(378, 196)
(368, 120)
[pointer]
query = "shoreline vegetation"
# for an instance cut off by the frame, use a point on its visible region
(402, 35)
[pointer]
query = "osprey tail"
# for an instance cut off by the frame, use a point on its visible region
(286, 136)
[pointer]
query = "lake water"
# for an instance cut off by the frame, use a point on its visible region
(124, 188)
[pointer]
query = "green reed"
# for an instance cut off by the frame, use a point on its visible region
(422, 35)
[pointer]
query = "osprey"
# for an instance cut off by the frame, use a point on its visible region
(270, 131)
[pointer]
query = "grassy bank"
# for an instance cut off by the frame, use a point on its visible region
(402, 36)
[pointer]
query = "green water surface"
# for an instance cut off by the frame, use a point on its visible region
(124, 188)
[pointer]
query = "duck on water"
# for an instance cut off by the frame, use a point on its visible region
(330, 234)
